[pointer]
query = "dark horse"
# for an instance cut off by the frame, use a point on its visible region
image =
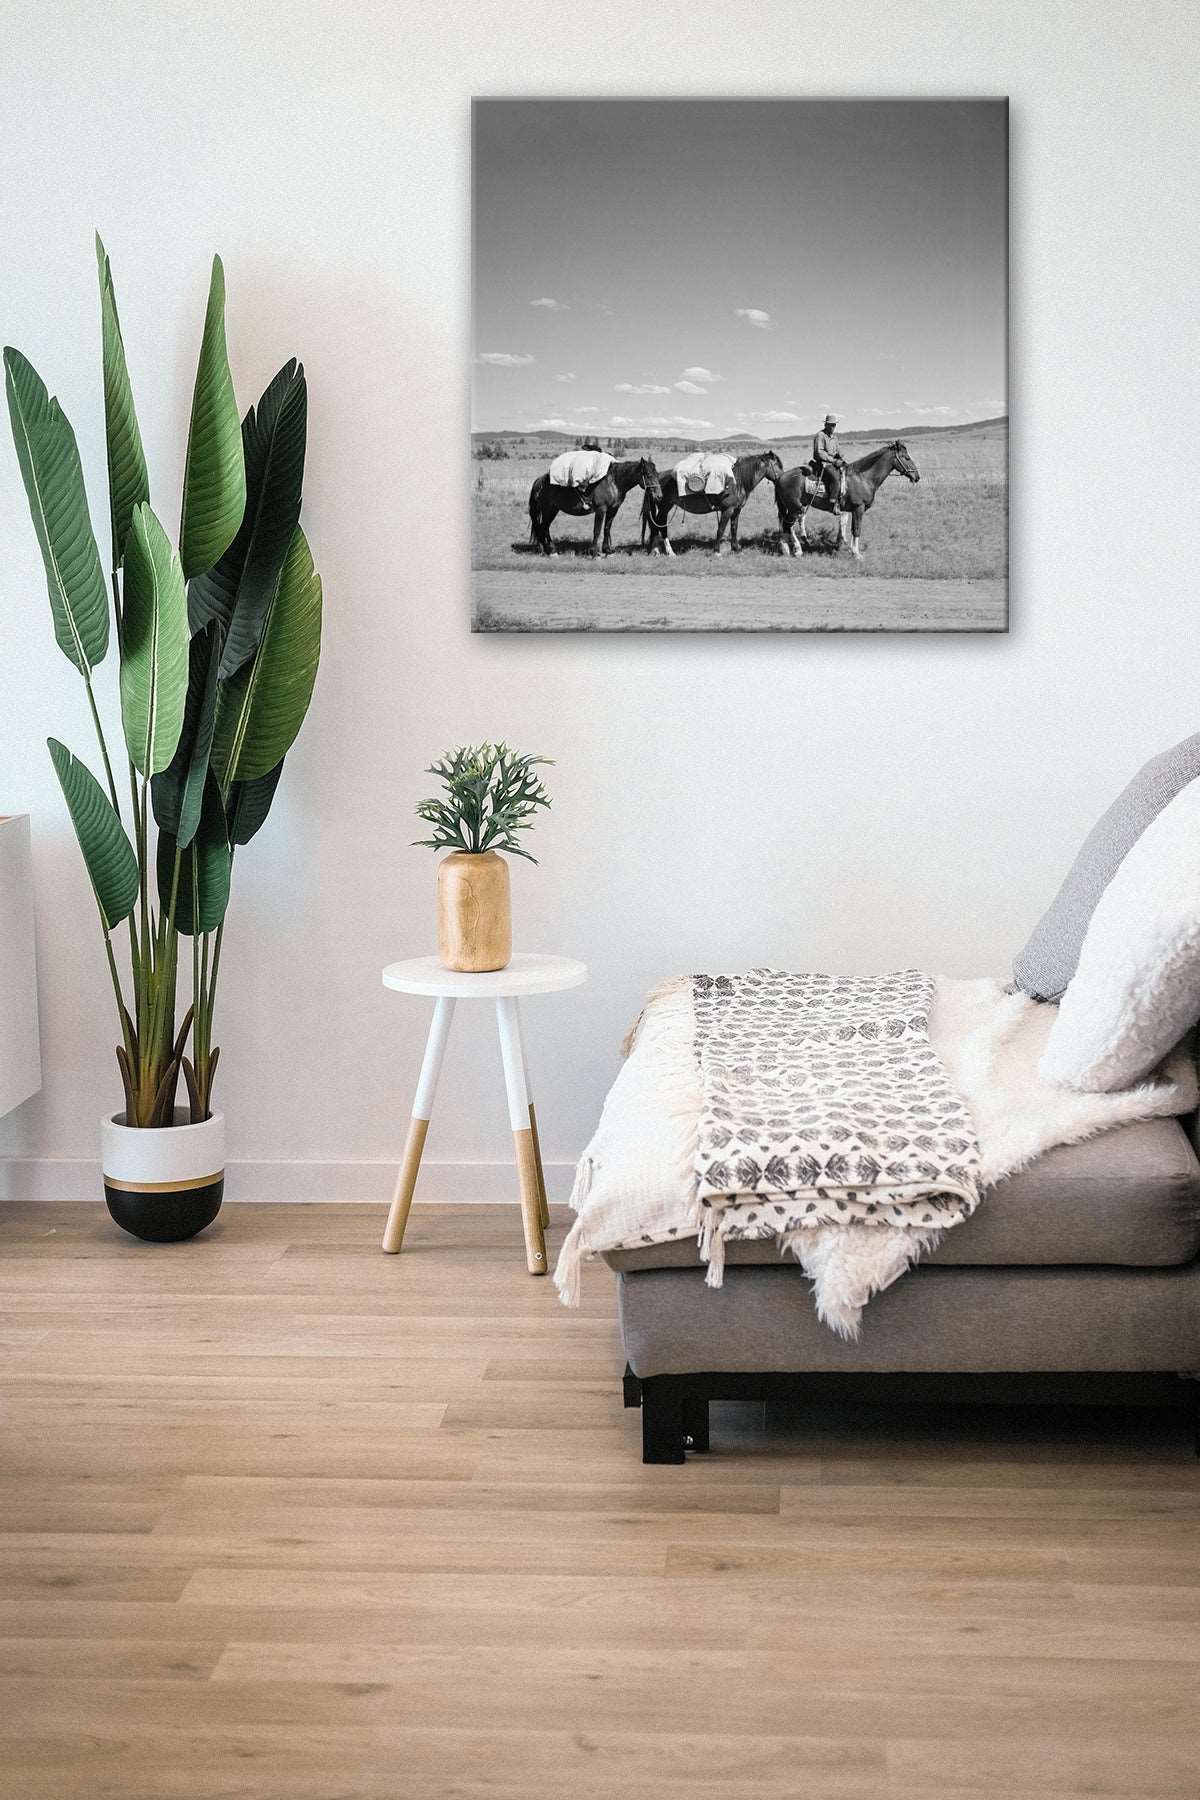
(603, 499)
(799, 490)
(748, 471)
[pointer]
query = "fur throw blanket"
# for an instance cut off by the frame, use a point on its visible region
(642, 1179)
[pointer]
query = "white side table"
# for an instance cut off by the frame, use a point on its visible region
(524, 975)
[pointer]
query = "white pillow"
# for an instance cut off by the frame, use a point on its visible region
(1137, 989)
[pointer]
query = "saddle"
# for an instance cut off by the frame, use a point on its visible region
(814, 479)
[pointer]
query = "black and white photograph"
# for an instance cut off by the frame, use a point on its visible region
(739, 365)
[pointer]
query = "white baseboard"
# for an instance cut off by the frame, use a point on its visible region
(441, 1183)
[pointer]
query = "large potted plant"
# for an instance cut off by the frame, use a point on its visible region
(218, 645)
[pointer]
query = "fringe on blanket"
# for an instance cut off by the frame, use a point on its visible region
(679, 1099)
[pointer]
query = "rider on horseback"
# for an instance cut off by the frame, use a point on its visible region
(828, 463)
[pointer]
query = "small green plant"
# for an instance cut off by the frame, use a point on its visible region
(492, 793)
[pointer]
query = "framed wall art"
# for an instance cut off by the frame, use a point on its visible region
(740, 365)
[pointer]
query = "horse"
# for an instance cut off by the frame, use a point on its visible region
(603, 499)
(748, 471)
(799, 490)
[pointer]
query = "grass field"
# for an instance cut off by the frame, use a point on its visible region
(951, 527)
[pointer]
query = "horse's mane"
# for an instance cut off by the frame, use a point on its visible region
(743, 464)
(864, 462)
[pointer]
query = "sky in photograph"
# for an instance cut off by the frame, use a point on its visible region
(701, 268)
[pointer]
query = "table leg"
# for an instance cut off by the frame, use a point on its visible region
(543, 1203)
(508, 1018)
(406, 1180)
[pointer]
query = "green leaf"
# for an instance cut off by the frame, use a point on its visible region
(260, 710)
(128, 481)
(202, 894)
(178, 791)
(249, 803)
(214, 481)
(238, 590)
(154, 645)
(49, 459)
(111, 864)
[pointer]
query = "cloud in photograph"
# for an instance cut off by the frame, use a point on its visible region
(929, 412)
(698, 373)
(772, 417)
(653, 422)
(690, 387)
(548, 425)
(583, 409)
(504, 359)
(549, 305)
(565, 377)
(755, 316)
(640, 387)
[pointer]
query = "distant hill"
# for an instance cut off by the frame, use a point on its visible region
(738, 440)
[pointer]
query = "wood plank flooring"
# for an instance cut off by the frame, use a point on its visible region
(282, 1518)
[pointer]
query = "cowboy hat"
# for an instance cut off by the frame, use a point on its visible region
(831, 418)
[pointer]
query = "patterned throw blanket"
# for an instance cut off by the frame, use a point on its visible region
(822, 1100)
(847, 1119)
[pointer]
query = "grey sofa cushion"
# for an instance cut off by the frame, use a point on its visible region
(1050, 958)
(935, 1320)
(1130, 1197)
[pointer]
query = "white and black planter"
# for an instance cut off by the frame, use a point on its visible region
(164, 1185)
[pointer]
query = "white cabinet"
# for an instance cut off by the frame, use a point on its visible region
(20, 1052)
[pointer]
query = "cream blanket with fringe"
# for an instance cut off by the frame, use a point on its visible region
(636, 1183)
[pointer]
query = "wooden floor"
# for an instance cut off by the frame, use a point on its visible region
(285, 1519)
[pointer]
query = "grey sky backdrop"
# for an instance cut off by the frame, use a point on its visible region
(702, 267)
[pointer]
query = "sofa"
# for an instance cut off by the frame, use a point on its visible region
(1076, 1279)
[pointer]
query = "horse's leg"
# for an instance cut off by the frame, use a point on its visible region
(546, 517)
(797, 537)
(723, 518)
(610, 513)
(785, 534)
(734, 521)
(597, 528)
(856, 540)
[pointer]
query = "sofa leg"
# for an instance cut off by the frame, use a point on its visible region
(631, 1387)
(695, 1421)
(664, 1435)
(1195, 1380)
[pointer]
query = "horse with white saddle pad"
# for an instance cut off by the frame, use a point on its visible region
(726, 500)
(583, 482)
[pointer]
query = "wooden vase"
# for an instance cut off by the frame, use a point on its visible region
(474, 912)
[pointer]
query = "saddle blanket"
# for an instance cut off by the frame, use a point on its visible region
(703, 472)
(851, 1120)
(579, 468)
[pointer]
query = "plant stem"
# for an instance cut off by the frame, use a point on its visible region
(112, 786)
(122, 1013)
(212, 980)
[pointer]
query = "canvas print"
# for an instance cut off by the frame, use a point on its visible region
(740, 365)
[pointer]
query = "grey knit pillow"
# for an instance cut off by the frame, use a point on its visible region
(1051, 956)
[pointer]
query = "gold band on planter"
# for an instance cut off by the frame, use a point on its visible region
(163, 1187)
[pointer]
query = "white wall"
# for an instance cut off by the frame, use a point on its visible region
(836, 802)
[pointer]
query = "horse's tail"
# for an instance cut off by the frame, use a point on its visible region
(533, 513)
